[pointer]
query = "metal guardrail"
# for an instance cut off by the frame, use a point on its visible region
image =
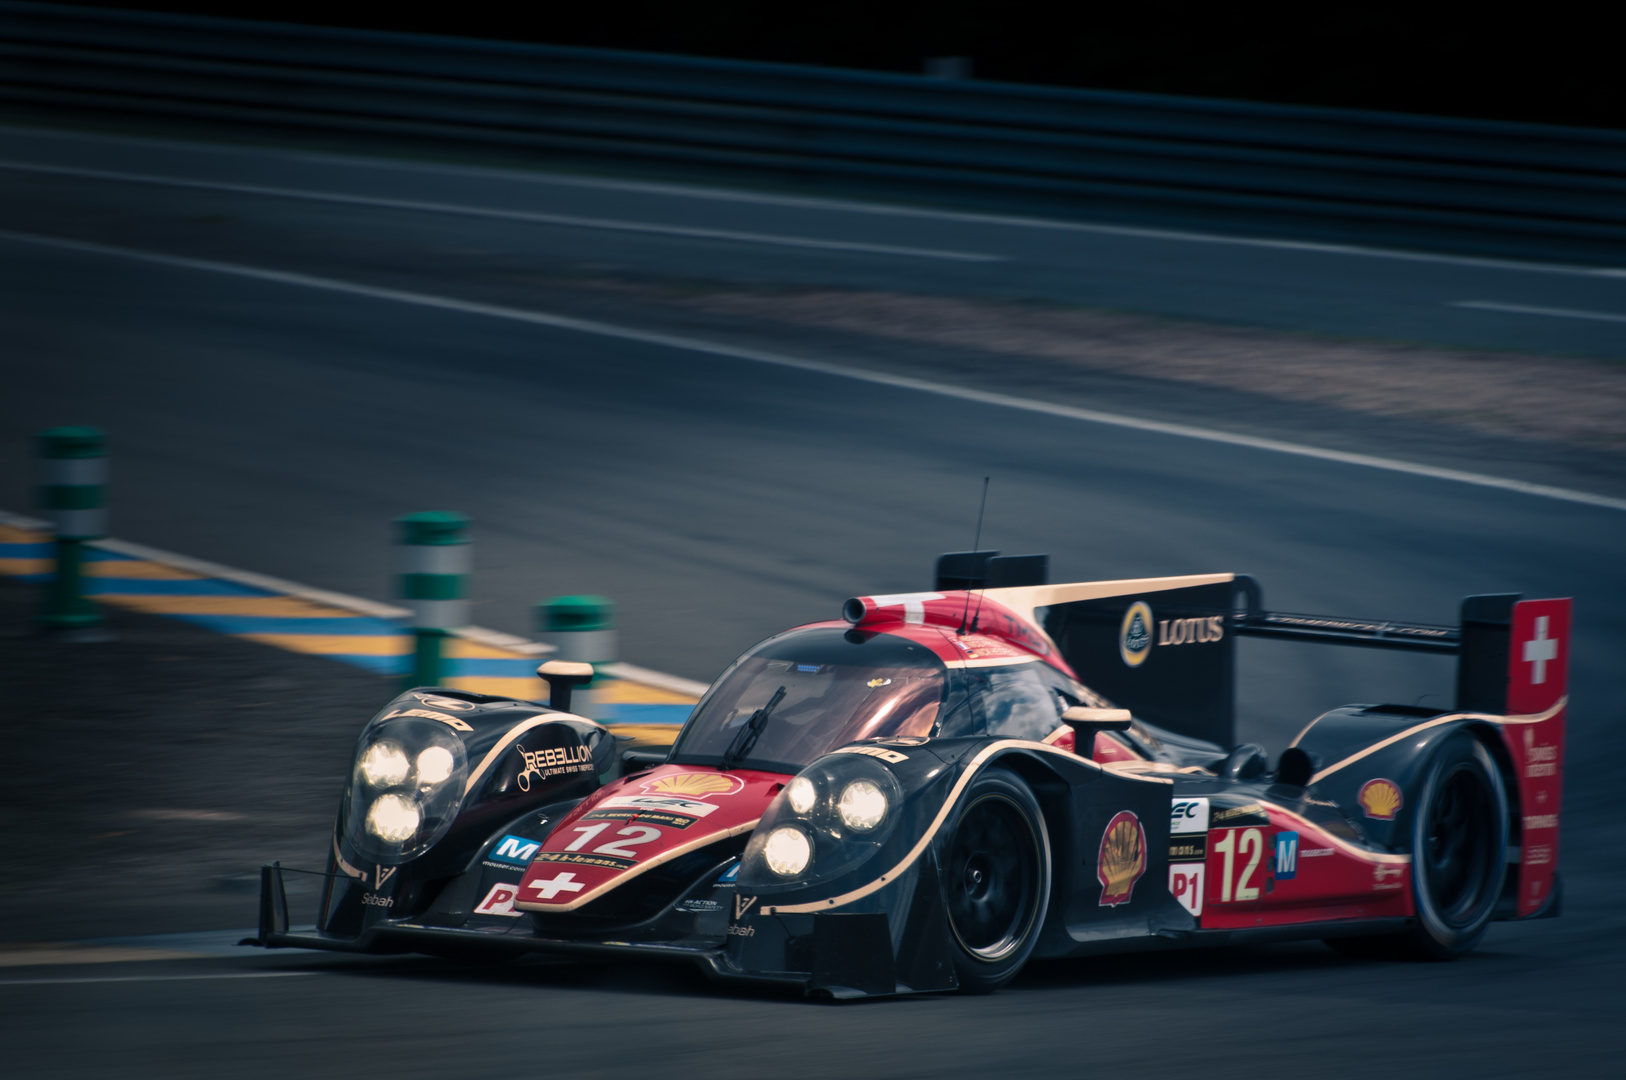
(1530, 187)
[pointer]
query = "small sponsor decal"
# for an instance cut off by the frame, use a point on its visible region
(556, 761)
(1188, 816)
(1315, 852)
(440, 702)
(449, 721)
(891, 757)
(583, 858)
(1380, 799)
(1189, 631)
(1388, 876)
(697, 784)
(736, 930)
(1287, 856)
(1192, 847)
(381, 874)
(742, 905)
(1135, 634)
(1538, 760)
(700, 907)
(692, 807)
(561, 883)
(515, 850)
(1186, 886)
(654, 817)
(1540, 651)
(1538, 854)
(374, 900)
(499, 901)
(730, 876)
(1541, 821)
(1122, 858)
(1246, 814)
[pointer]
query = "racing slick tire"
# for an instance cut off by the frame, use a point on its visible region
(1459, 857)
(996, 880)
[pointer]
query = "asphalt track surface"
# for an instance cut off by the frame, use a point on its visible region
(279, 426)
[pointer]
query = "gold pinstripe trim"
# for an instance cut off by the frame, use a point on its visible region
(1533, 718)
(508, 740)
(1023, 599)
(1345, 845)
(990, 661)
(634, 871)
(346, 867)
(931, 831)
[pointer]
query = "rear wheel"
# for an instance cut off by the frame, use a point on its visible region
(1459, 856)
(996, 880)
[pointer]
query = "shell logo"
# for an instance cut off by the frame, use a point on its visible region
(694, 784)
(1122, 858)
(1380, 799)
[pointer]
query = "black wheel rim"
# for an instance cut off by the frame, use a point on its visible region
(1458, 845)
(992, 878)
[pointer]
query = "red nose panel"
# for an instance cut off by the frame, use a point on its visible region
(638, 823)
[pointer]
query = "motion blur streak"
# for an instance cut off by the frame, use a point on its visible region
(563, 322)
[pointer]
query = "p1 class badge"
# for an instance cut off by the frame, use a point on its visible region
(1287, 855)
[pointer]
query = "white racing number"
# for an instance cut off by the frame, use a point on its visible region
(1237, 845)
(636, 834)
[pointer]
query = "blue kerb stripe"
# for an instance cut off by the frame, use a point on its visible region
(492, 667)
(105, 586)
(26, 551)
(379, 665)
(265, 624)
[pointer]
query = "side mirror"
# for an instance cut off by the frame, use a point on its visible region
(563, 676)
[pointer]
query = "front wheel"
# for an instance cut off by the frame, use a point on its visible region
(996, 880)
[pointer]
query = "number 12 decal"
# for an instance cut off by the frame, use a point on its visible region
(1237, 845)
(638, 834)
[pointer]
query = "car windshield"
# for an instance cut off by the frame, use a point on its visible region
(840, 686)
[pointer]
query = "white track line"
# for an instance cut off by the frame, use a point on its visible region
(157, 978)
(530, 217)
(673, 341)
(848, 206)
(1526, 309)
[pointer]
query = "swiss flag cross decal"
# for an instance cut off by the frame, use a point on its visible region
(1538, 656)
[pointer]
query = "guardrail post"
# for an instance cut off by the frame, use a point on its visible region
(73, 493)
(433, 559)
(583, 630)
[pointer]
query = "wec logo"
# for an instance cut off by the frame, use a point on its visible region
(515, 849)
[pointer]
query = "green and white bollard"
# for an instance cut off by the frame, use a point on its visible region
(433, 559)
(73, 494)
(582, 628)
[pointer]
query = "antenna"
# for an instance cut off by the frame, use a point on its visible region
(976, 546)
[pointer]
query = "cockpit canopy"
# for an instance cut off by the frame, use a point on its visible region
(843, 686)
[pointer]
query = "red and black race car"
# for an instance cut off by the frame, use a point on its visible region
(939, 786)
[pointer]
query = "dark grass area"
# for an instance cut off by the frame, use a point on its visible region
(149, 777)
(1555, 66)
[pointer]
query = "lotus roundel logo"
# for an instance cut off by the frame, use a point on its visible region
(1380, 799)
(1135, 635)
(694, 784)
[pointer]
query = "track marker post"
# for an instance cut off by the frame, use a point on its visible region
(73, 494)
(583, 630)
(433, 560)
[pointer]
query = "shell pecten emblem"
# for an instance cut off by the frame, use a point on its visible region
(694, 785)
(1380, 799)
(1122, 858)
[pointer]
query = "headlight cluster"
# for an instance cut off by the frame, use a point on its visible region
(405, 788)
(835, 814)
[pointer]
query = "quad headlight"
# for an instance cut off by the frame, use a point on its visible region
(405, 788)
(787, 851)
(862, 806)
(833, 815)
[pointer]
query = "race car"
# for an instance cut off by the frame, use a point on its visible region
(937, 787)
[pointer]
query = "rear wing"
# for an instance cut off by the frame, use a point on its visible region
(1165, 648)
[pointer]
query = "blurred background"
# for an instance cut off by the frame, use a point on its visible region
(723, 313)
